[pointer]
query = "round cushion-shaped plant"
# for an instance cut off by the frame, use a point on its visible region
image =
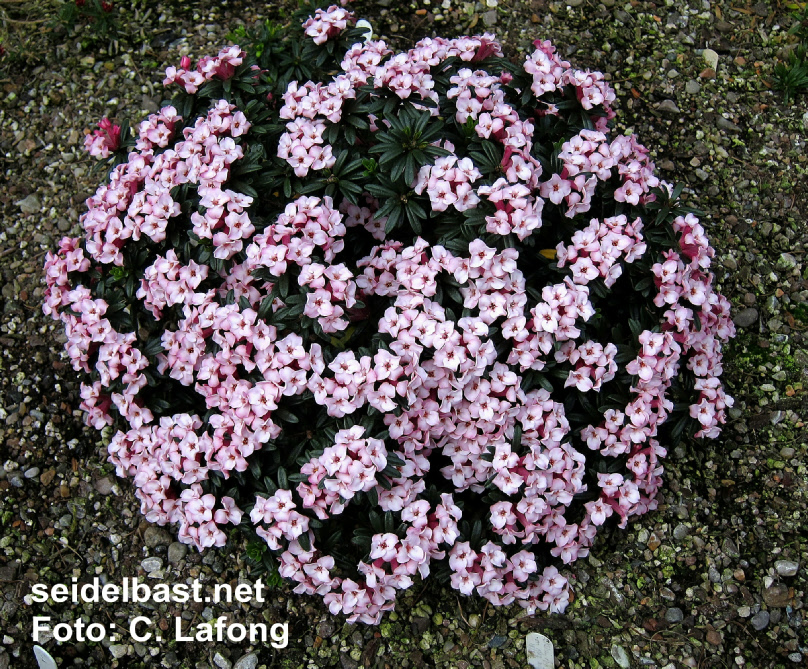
(393, 316)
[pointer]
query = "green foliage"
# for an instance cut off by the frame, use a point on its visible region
(791, 77)
(98, 17)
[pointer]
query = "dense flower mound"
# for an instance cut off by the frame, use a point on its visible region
(390, 315)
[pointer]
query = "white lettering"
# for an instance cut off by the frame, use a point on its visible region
(133, 628)
(39, 628)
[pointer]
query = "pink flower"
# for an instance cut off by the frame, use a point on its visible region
(384, 547)
(556, 189)
(104, 140)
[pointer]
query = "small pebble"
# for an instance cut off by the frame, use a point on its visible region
(783, 567)
(711, 58)
(776, 596)
(692, 87)
(104, 485)
(726, 124)
(29, 205)
(156, 536)
(760, 620)
(118, 650)
(151, 564)
(681, 531)
(221, 661)
(176, 552)
(621, 657)
(714, 637)
(730, 548)
(247, 662)
(674, 615)
(668, 106)
(32, 473)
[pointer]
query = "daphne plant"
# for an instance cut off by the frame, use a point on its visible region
(395, 316)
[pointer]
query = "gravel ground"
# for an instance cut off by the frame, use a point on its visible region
(714, 578)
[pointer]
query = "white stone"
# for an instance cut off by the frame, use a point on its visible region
(29, 205)
(151, 564)
(711, 58)
(221, 661)
(540, 653)
(247, 662)
(786, 567)
(118, 650)
(621, 657)
(362, 23)
(43, 658)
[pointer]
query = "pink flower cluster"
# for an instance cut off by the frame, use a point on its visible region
(331, 286)
(551, 73)
(68, 259)
(596, 250)
(158, 456)
(168, 282)
(518, 211)
(594, 364)
(362, 60)
(139, 192)
(303, 146)
(357, 214)
(406, 77)
(687, 291)
(275, 518)
(137, 201)
(475, 93)
(327, 23)
(348, 467)
(103, 140)
(589, 157)
(561, 306)
(504, 579)
(225, 220)
(409, 73)
(157, 131)
(308, 108)
(306, 225)
(449, 182)
(222, 66)
(393, 562)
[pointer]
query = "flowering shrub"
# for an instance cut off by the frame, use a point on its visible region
(393, 314)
